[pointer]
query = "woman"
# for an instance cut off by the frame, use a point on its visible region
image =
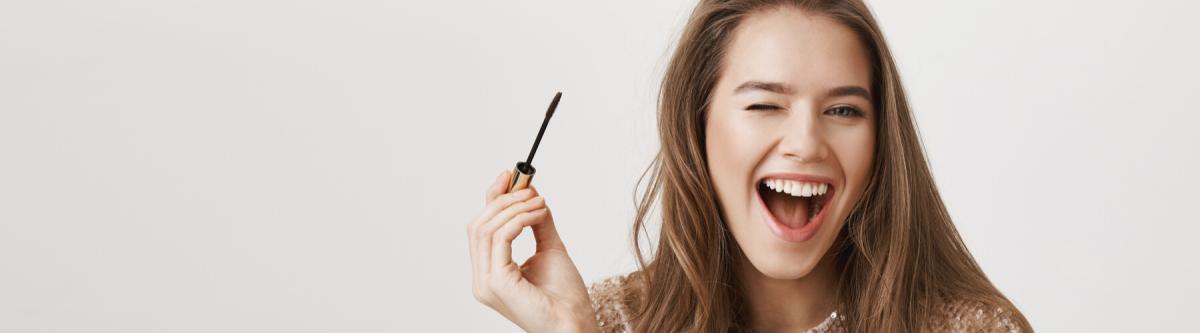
(794, 194)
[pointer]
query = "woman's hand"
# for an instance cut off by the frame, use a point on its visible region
(546, 293)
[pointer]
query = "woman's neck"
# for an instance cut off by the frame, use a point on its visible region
(775, 305)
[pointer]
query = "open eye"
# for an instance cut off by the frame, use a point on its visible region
(845, 111)
(761, 107)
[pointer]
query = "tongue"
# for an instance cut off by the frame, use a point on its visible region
(789, 210)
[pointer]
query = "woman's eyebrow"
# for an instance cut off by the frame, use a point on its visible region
(775, 87)
(781, 88)
(850, 91)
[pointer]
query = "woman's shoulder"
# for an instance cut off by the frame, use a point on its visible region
(611, 303)
(964, 315)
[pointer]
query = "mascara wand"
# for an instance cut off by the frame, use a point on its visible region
(523, 173)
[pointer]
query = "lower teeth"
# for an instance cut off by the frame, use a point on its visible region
(813, 206)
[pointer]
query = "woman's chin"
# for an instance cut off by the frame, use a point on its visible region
(783, 266)
(780, 259)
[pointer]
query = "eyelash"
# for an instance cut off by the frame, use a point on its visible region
(853, 111)
(761, 107)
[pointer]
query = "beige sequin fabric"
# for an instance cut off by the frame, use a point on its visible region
(612, 314)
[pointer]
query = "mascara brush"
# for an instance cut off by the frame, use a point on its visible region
(523, 173)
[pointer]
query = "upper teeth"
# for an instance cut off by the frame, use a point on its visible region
(796, 188)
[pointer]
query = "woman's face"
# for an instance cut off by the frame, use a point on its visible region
(790, 136)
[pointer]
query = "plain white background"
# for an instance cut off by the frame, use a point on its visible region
(310, 166)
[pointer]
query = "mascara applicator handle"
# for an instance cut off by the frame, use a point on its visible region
(522, 175)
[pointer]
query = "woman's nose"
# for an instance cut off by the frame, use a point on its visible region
(802, 140)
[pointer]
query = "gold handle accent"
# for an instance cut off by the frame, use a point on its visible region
(522, 176)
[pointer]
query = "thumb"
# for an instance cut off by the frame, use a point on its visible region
(546, 235)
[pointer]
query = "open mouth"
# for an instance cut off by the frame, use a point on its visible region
(795, 203)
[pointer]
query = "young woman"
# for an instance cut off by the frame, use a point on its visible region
(794, 194)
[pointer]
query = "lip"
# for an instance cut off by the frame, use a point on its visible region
(784, 232)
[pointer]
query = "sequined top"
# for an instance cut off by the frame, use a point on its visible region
(959, 316)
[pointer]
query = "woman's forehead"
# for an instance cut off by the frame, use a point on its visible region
(799, 49)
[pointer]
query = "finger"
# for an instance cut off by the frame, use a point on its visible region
(476, 248)
(478, 267)
(500, 203)
(546, 235)
(502, 218)
(487, 229)
(484, 231)
(504, 236)
(496, 189)
(499, 186)
(513, 210)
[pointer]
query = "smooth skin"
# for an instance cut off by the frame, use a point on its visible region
(806, 123)
(546, 293)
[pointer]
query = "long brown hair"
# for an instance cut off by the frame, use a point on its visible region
(898, 253)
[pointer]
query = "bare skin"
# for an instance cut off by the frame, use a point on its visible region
(812, 116)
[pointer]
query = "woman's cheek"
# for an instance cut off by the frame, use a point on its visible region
(733, 141)
(864, 154)
(856, 151)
